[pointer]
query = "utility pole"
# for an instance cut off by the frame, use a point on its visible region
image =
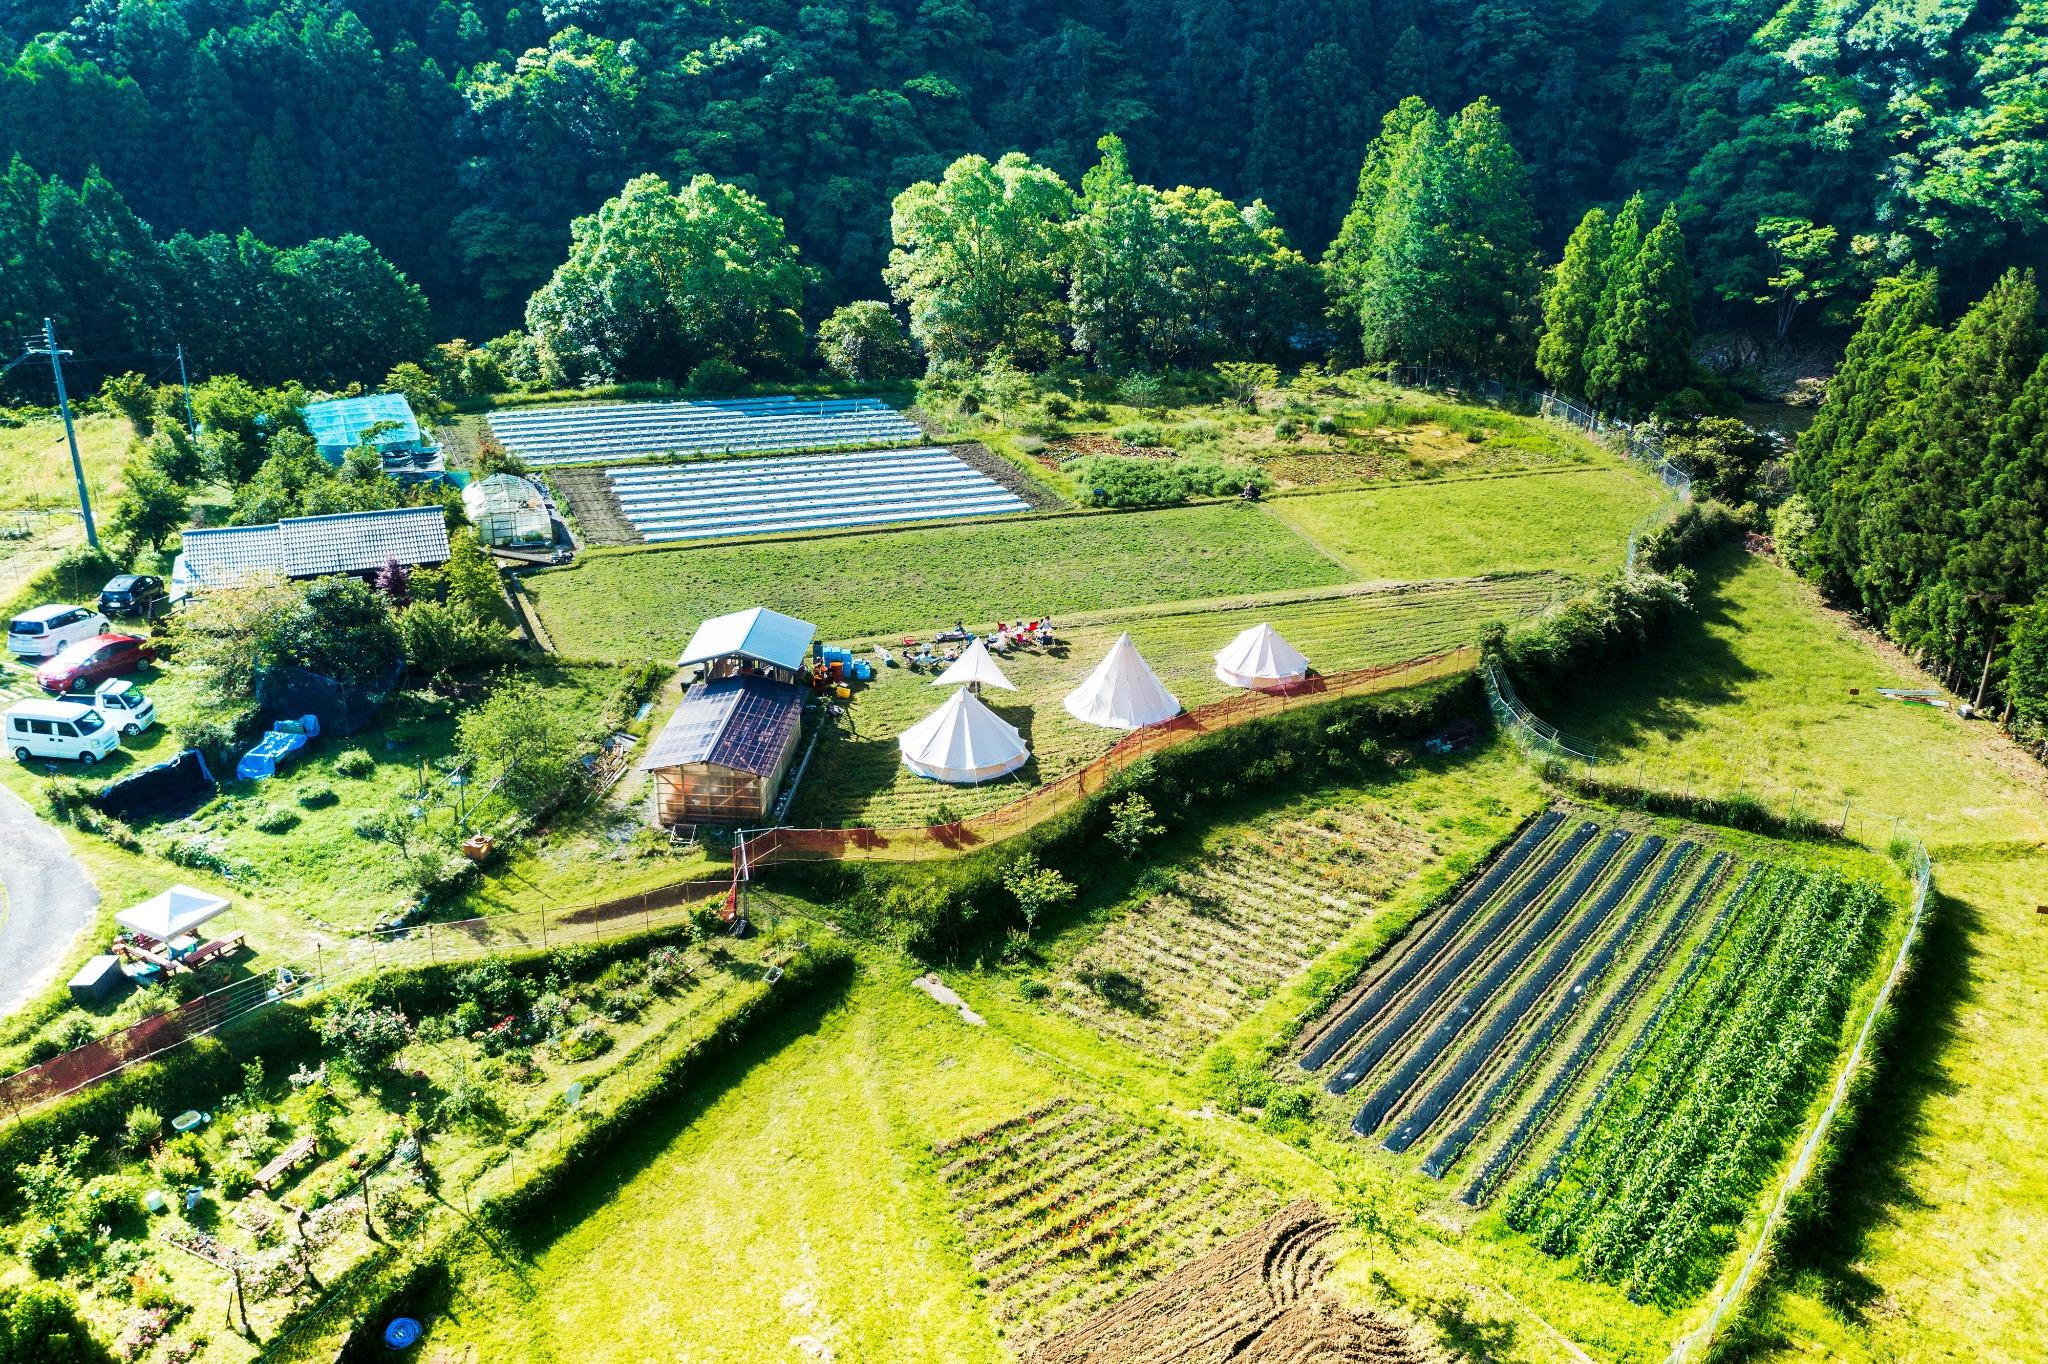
(185, 383)
(49, 348)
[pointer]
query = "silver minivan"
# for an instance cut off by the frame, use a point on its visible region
(47, 631)
(55, 729)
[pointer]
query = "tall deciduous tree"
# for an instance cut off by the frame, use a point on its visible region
(863, 342)
(981, 261)
(660, 281)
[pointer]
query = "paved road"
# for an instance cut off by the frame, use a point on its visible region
(46, 901)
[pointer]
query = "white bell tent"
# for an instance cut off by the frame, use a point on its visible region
(963, 742)
(974, 667)
(1260, 658)
(1122, 692)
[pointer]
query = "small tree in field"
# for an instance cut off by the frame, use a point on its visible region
(1036, 888)
(1132, 824)
(1245, 380)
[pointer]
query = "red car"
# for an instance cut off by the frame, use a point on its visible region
(94, 660)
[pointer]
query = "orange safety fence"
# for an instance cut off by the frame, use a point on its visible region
(771, 846)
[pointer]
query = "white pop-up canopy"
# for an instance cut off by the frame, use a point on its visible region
(1122, 692)
(963, 741)
(1260, 658)
(177, 911)
(974, 666)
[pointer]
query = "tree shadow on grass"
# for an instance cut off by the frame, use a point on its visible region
(1868, 1182)
(1689, 668)
(587, 1191)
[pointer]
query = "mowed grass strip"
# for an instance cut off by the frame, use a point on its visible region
(644, 603)
(1573, 521)
(856, 775)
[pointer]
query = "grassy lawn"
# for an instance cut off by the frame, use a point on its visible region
(1575, 521)
(857, 777)
(39, 498)
(1938, 1247)
(790, 1198)
(643, 604)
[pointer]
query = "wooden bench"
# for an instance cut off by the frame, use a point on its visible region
(277, 1169)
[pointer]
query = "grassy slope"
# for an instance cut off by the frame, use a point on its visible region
(1942, 1241)
(643, 604)
(39, 499)
(788, 1202)
(1575, 522)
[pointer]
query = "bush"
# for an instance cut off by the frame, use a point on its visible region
(141, 1127)
(275, 819)
(1122, 481)
(583, 1042)
(317, 796)
(365, 1035)
(1287, 428)
(354, 763)
(1614, 619)
(1143, 434)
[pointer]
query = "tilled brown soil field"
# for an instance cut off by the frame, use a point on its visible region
(1255, 1299)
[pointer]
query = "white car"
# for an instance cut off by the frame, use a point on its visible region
(121, 703)
(47, 631)
(58, 729)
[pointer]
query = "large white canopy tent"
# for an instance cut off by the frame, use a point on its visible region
(1259, 657)
(974, 667)
(172, 914)
(1123, 692)
(963, 742)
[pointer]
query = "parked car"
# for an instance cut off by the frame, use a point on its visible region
(120, 703)
(92, 660)
(133, 594)
(55, 729)
(47, 631)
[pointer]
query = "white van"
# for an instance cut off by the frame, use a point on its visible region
(47, 630)
(54, 729)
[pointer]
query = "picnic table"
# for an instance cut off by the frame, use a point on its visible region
(286, 1160)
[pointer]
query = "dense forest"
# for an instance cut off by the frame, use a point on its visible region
(1809, 148)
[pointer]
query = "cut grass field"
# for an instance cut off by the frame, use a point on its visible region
(858, 778)
(1571, 521)
(640, 604)
(1938, 1240)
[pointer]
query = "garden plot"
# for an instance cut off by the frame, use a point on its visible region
(1195, 956)
(738, 497)
(610, 432)
(1066, 1208)
(1566, 967)
(1255, 1299)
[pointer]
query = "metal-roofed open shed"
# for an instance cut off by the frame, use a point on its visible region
(754, 640)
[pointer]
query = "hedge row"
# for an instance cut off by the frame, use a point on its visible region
(951, 907)
(1738, 811)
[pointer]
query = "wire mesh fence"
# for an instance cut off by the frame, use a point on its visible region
(1640, 441)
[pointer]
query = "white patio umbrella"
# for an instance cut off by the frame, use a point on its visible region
(1122, 692)
(963, 742)
(1259, 657)
(974, 667)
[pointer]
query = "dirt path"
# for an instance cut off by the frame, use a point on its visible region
(46, 901)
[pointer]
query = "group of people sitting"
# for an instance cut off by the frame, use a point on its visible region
(1020, 635)
(950, 644)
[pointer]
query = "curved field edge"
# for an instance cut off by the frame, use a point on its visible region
(510, 1193)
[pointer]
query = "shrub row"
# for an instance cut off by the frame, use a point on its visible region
(1699, 527)
(1614, 619)
(1737, 811)
(950, 907)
